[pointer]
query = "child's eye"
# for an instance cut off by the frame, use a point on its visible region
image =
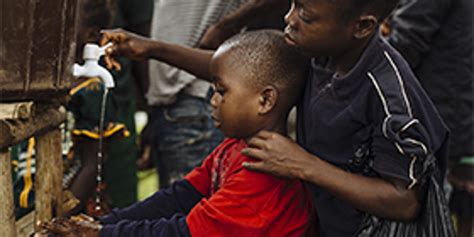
(303, 17)
(220, 91)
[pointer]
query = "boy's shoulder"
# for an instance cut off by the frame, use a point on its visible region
(384, 61)
(394, 63)
(227, 145)
(390, 76)
(228, 153)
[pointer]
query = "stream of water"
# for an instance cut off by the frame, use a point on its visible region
(100, 152)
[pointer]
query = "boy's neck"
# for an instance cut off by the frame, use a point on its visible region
(343, 63)
(279, 125)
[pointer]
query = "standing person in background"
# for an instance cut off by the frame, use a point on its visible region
(131, 81)
(85, 105)
(182, 132)
(181, 129)
(436, 39)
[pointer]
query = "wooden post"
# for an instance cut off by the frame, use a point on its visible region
(7, 214)
(49, 173)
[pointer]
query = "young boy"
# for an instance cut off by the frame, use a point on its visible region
(257, 78)
(362, 110)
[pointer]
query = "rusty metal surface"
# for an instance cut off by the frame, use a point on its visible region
(37, 48)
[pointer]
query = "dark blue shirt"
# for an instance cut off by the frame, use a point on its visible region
(162, 214)
(377, 112)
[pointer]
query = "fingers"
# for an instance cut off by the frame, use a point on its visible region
(114, 35)
(117, 37)
(254, 153)
(105, 38)
(256, 166)
(253, 165)
(116, 65)
(265, 134)
(82, 217)
(111, 63)
(54, 227)
(261, 139)
(257, 142)
(108, 61)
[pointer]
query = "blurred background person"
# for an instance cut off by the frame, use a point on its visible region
(131, 82)
(436, 39)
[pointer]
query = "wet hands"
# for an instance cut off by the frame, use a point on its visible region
(125, 44)
(278, 155)
(76, 226)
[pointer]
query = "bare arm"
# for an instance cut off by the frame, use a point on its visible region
(282, 157)
(192, 60)
(382, 197)
(235, 21)
(135, 47)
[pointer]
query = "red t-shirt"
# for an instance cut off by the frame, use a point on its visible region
(239, 202)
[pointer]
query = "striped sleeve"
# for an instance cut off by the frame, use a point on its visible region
(401, 143)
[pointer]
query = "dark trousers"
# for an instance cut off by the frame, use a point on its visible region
(182, 134)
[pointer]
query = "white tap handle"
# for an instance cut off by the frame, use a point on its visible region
(94, 52)
(103, 48)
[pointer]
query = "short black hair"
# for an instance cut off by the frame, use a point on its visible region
(380, 8)
(269, 60)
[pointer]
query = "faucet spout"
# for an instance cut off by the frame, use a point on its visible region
(91, 67)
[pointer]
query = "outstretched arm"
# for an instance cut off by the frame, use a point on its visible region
(283, 157)
(240, 18)
(135, 47)
(179, 198)
(172, 227)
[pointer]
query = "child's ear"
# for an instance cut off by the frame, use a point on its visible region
(268, 99)
(365, 26)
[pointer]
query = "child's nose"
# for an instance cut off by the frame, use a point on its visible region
(289, 16)
(214, 99)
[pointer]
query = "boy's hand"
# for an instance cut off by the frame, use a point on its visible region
(278, 155)
(125, 44)
(77, 226)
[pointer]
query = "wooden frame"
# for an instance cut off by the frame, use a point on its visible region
(43, 123)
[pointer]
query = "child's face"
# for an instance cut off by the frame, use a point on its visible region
(317, 26)
(234, 102)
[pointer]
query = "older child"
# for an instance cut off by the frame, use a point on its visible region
(363, 110)
(257, 78)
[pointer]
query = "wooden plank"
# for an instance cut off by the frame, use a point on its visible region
(45, 118)
(7, 214)
(20, 110)
(49, 173)
(26, 225)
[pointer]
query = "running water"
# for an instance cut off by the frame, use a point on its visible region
(100, 152)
